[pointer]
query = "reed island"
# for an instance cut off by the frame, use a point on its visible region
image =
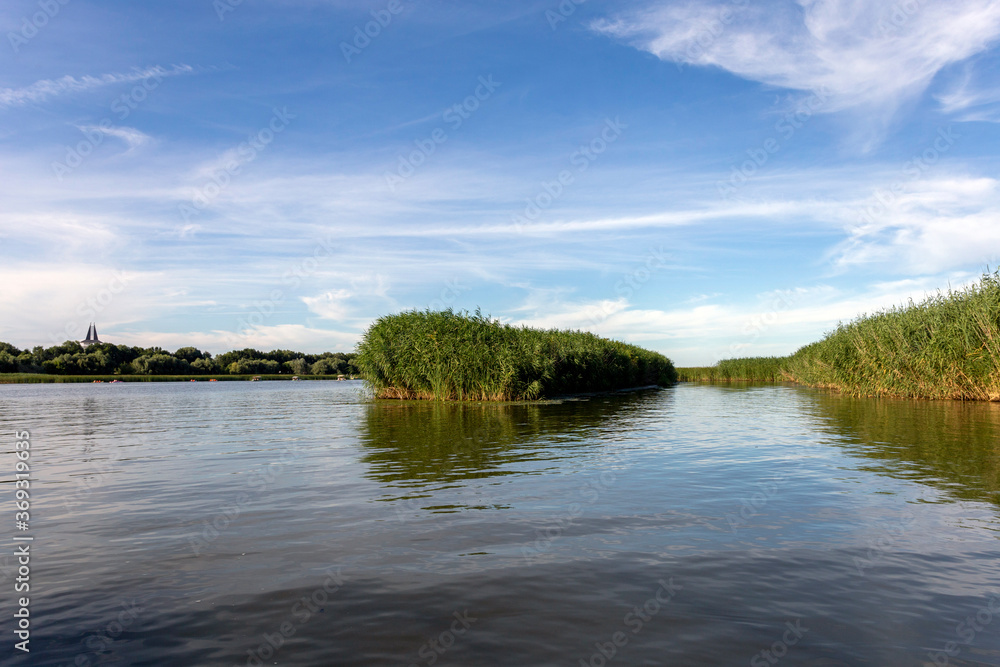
(447, 355)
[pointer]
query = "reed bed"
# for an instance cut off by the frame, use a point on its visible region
(750, 369)
(444, 355)
(947, 346)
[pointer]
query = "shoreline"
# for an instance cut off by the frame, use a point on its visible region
(846, 391)
(48, 378)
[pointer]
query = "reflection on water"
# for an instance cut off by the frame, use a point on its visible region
(444, 442)
(951, 445)
(298, 524)
(441, 442)
(421, 449)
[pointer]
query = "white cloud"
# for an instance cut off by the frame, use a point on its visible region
(348, 303)
(296, 337)
(133, 137)
(971, 98)
(935, 225)
(867, 53)
(777, 322)
(41, 91)
(73, 295)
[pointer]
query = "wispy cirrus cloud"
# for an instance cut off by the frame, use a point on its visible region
(872, 54)
(971, 98)
(43, 90)
(131, 136)
(941, 224)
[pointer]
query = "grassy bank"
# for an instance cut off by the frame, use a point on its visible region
(457, 356)
(750, 369)
(947, 346)
(44, 378)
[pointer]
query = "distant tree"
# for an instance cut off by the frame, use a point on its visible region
(105, 358)
(8, 362)
(325, 366)
(297, 366)
(119, 355)
(191, 354)
(9, 349)
(64, 364)
(281, 356)
(254, 367)
(95, 363)
(205, 366)
(41, 354)
(26, 363)
(227, 358)
(160, 364)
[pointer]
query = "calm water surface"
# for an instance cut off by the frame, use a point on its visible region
(298, 524)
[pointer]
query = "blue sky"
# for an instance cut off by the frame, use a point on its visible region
(707, 179)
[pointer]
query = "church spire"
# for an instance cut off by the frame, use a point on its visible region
(91, 338)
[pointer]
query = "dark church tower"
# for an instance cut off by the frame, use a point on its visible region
(91, 338)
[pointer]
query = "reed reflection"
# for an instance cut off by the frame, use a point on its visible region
(949, 445)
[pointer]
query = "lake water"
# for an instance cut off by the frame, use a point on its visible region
(299, 524)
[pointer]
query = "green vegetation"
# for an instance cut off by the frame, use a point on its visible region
(947, 346)
(751, 369)
(44, 378)
(446, 355)
(70, 359)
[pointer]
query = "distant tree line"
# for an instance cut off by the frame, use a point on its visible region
(105, 359)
